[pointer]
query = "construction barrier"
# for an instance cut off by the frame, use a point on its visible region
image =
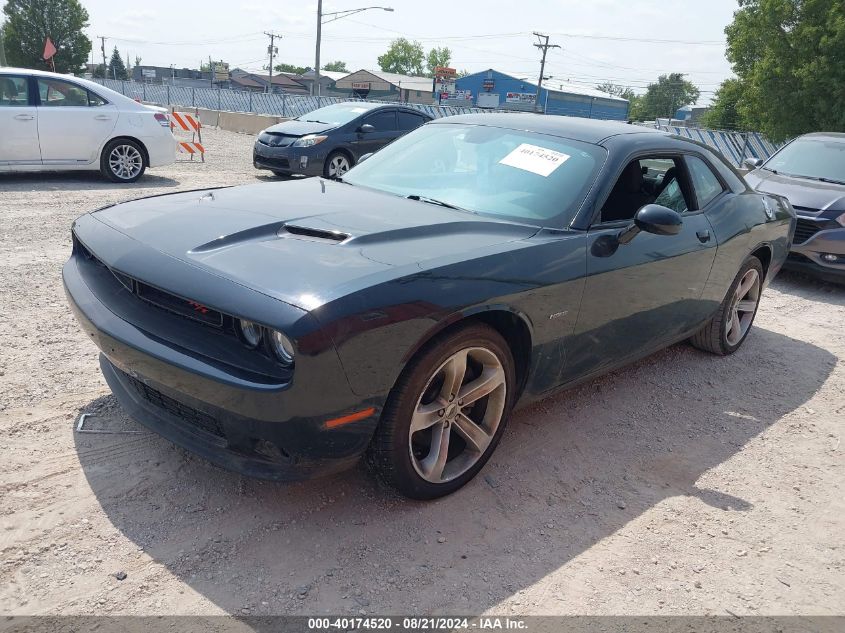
(182, 122)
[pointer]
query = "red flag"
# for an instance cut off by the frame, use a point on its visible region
(49, 49)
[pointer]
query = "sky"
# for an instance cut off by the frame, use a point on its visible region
(629, 42)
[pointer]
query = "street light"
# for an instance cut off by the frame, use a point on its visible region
(336, 15)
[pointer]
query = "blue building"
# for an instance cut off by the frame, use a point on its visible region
(494, 89)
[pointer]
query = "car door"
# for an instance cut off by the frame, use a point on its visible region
(384, 131)
(407, 121)
(73, 122)
(644, 294)
(18, 122)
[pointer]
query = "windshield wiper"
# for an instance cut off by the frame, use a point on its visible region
(448, 205)
(316, 121)
(832, 181)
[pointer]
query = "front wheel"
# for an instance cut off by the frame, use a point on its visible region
(446, 413)
(122, 160)
(336, 165)
(728, 328)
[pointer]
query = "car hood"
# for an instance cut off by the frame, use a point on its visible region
(807, 196)
(300, 128)
(310, 241)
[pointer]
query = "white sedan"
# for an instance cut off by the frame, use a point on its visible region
(51, 122)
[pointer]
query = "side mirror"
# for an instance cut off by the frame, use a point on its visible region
(752, 163)
(364, 157)
(652, 218)
(366, 128)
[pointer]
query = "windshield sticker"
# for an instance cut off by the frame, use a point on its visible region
(536, 159)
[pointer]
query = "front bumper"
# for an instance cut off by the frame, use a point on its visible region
(819, 243)
(308, 161)
(258, 428)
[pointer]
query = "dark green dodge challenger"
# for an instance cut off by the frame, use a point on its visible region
(284, 330)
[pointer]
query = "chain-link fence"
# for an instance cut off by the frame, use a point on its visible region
(286, 105)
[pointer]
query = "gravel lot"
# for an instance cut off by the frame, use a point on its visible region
(683, 484)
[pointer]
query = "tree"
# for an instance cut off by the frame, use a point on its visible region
(623, 92)
(117, 69)
(30, 22)
(724, 113)
(336, 67)
(789, 56)
(290, 68)
(2, 47)
(662, 99)
(438, 56)
(403, 57)
(99, 72)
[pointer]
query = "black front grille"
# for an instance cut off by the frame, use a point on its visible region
(197, 419)
(804, 230)
(178, 305)
(272, 162)
(274, 139)
(159, 298)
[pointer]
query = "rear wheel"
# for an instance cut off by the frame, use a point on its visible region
(446, 413)
(728, 328)
(123, 160)
(336, 165)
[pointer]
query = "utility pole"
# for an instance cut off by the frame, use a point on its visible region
(272, 50)
(316, 89)
(103, 48)
(543, 43)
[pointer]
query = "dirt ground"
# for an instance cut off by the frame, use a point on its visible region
(685, 484)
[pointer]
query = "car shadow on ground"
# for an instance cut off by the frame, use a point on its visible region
(78, 180)
(570, 471)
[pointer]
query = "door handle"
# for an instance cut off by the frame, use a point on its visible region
(703, 236)
(103, 117)
(24, 117)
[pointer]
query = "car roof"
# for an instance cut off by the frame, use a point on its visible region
(370, 105)
(825, 136)
(579, 129)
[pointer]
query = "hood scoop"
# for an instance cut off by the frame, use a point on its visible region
(312, 234)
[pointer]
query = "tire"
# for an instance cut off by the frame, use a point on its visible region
(719, 336)
(409, 461)
(123, 160)
(337, 163)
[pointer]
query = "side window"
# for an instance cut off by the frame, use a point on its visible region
(57, 93)
(409, 120)
(14, 91)
(645, 181)
(383, 121)
(95, 99)
(704, 181)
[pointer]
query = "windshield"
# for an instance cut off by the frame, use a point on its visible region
(811, 158)
(493, 171)
(338, 114)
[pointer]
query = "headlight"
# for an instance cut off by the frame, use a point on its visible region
(308, 141)
(841, 219)
(250, 332)
(281, 346)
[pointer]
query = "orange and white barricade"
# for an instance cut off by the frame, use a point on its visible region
(186, 122)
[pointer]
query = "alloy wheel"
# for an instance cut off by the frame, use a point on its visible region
(744, 305)
(338, 165)
(125, 161)
(457, 414)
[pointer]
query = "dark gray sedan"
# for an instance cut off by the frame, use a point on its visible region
(329, 141)
(810, 172)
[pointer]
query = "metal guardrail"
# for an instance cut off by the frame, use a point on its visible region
(735, 146)
(286, 105)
